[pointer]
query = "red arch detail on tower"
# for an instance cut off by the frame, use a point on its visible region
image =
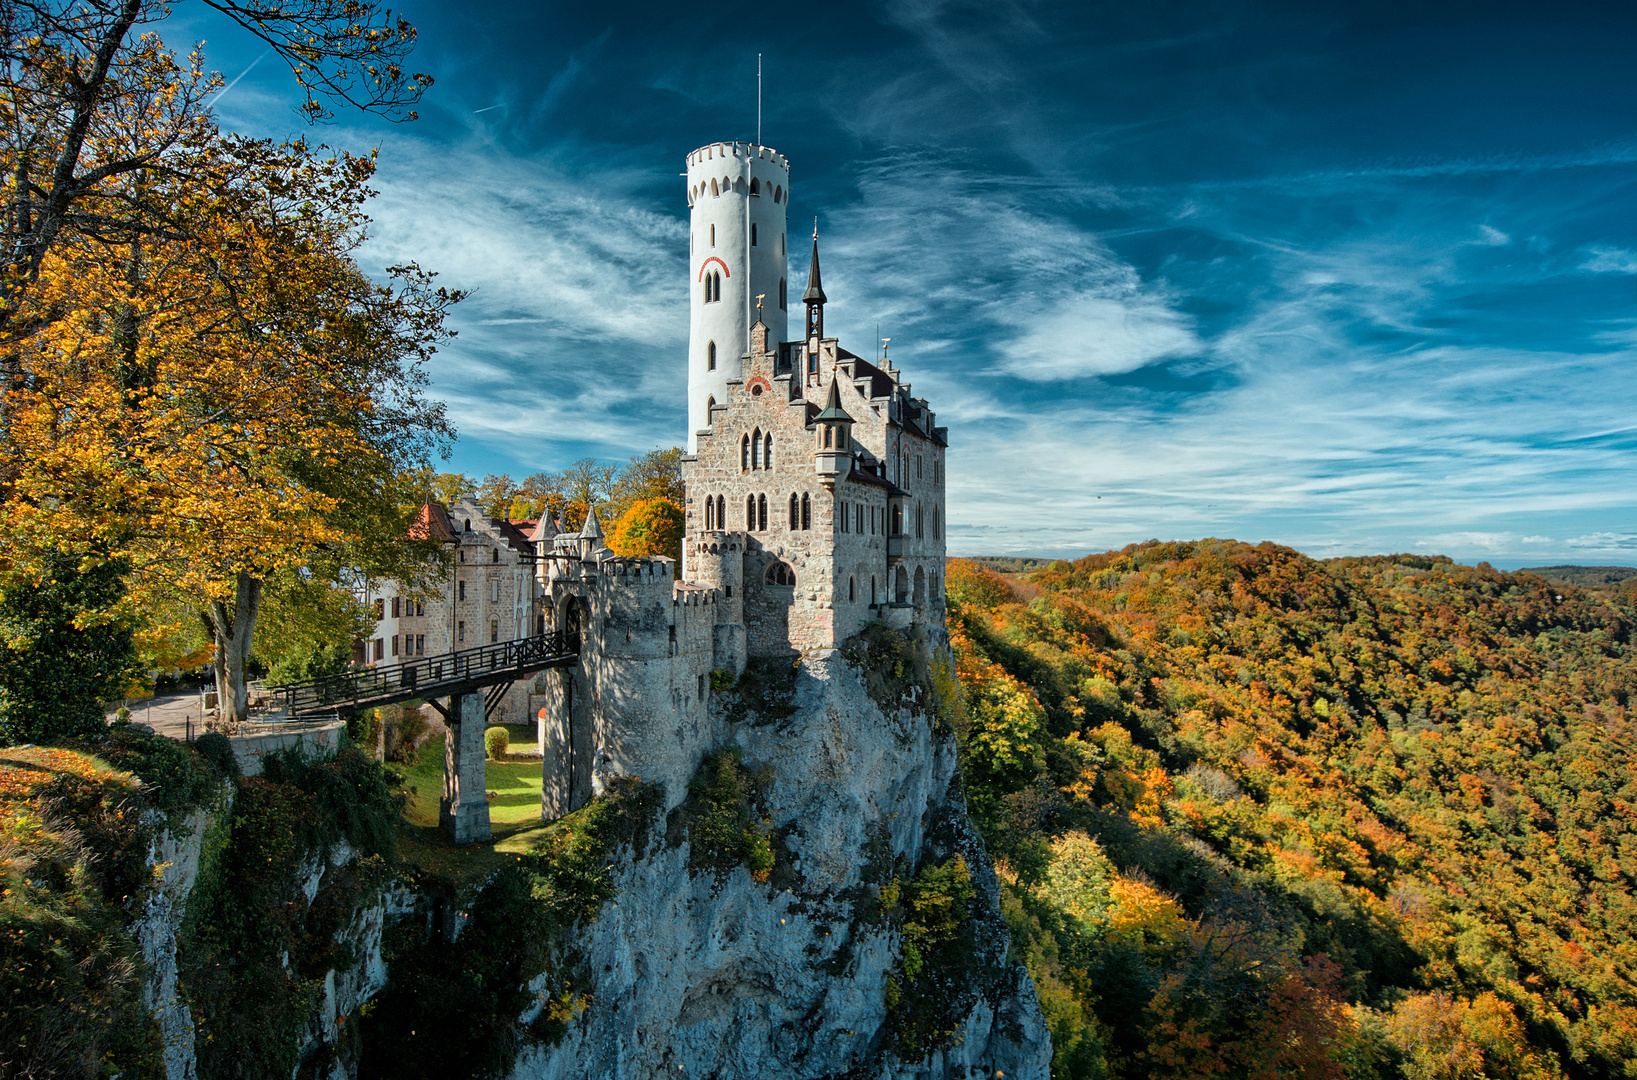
(713, 259)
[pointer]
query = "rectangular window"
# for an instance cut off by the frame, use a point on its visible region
(394, 644)
(420, 644)
(494, 630)
(461, 588)
(396, 611)
(420, 608)
(380, 648)
(494, 590)
(460, 631)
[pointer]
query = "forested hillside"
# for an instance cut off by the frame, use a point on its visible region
(1259, 815)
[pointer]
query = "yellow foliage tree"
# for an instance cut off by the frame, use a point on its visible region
(650, 527)
(231, 402)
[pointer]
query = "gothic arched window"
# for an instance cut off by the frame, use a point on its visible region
(710, 357)
(806, 512)
(714, 192)
(744, 453)
(767, 451)
(755, 189)
(920, 522)
(756, 449)
(721, 512)
(710, 513)
(795, 512)
(750, 513)
(781, 574)
(761, 513)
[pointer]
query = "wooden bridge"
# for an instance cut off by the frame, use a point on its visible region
(447, 675)
(471, 681)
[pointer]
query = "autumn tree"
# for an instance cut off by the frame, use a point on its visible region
(225, 406)
(649, 527)
(654, 475)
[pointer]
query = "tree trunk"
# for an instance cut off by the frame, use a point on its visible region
(232, 629)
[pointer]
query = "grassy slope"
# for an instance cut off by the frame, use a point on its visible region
(1261, 813)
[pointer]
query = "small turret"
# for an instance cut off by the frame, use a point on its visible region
(834, 429)
(591, 536)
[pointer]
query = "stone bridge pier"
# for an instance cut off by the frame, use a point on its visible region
(463, 810)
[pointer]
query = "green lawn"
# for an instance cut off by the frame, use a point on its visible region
(514, 813)
(515, 783)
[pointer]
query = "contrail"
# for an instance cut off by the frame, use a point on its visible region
(235, 82)
(476, 111)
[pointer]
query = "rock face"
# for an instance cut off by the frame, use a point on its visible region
(174, 856)
(701, 973)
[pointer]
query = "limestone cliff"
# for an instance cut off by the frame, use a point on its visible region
(705, 971)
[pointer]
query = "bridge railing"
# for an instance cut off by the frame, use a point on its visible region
(487, 664)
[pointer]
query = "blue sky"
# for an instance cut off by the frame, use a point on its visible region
(1353, 278)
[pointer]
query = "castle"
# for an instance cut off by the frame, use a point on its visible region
(815, 506)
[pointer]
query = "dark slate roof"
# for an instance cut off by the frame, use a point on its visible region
(881, 384)
(516, 538)
(832, 407)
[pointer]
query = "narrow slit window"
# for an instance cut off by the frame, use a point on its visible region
(806, 512)
(753, 231)
(761, 513)
(710, 358)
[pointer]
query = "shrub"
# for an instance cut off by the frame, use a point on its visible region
(217, 749)
(407, 734)
(175, 779)
(721, 818)
(496, 741)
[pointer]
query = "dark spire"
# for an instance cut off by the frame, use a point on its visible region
(833, 412)
(815, 288)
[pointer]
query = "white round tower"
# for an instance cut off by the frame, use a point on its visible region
(739, 198)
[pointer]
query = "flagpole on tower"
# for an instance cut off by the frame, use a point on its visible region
(758, 99)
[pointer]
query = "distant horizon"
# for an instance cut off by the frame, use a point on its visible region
(1359, 276)
(1320, 558)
